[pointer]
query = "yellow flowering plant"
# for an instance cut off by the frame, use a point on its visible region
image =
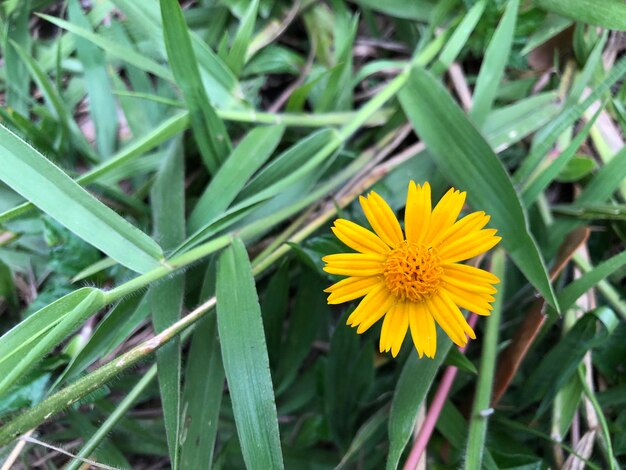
(414, 278)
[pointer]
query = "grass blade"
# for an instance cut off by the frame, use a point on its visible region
(459, 38)
(466, 158)
(102, 106)
(209, 130)
(204, 387)
(415, 380)
(29, 173)
(492, 68)
(245, 360)
(166, 299)
(93, 301)
(20, 337)
(610, 14)
(251, 153)
(478, 422)
(238, 51)
(17, 83)
(574, 290)
(545, 139)
(117, 50)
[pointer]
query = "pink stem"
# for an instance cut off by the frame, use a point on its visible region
(421, 441)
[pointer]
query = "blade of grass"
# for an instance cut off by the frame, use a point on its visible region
(93, 302)
(249, 155)
(120, 412)
(546, 138)
(245, 360)
(237, 55)
(166, 298)
(466, 158)
(30, 174)
(102, 108)
(610, 14)
(209, 130)
(117, 50)
(480, 410)
(204, 387)
(459, 38)
(20, 337)
(56, 105)
(575, 289)
(535, 186)
(17, 82)
(492, 68)
(415, 380)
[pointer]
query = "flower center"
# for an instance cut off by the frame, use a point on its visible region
(412, 272)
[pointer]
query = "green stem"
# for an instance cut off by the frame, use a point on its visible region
(481, 410)
(89, 383)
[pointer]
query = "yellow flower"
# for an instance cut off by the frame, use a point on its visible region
(414, 278)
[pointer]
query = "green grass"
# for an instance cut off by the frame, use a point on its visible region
(168, 178)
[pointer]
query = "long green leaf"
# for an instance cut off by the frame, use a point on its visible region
(251, 153)
(415, 380)
(561, 362)
(118, 50)
(482, 399)
(166, 299)
(204, 387)
(102, 107)
(17, 82)
(610, 14)
(19, 338)
(29, 173)
(574, 290)
(83, 310)
(492, 68)
(209, 130)
(545, 139)
(535, 186)
(245, 360)
(238, 51)
(459, 38)
(466, 158)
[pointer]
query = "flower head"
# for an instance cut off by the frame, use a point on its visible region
(414, 279)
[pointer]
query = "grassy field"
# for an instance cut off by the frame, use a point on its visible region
(169, 178)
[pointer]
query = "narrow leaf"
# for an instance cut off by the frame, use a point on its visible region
(610, 14)
(166, 299)
(29, 173)
(466, 158)
(415, 380)
(209, 130)
(245, 360)
(251, 153)
(492, 68)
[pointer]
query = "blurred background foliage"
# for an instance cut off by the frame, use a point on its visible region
(173, 170)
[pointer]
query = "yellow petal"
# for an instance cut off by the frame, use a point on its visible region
(470, 273)
(358, 238)
(468, 224)
(351, 288)
(476, 303)
(382, 219)
(449, 317)
(469, 246)
(445, 213)
(354, 264)
(423, 329)
(417, 212)
(373, 306)
(475, 287)
(399, 327)
(384, 344)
